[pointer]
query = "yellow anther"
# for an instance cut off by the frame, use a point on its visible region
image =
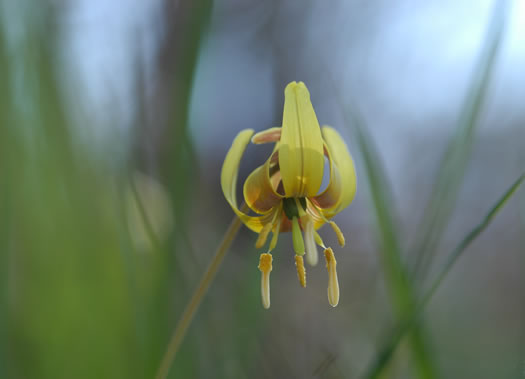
(263, 235)
(340, 236)
(333, 283)
(312, 257)
(265, 266)
(301, 273)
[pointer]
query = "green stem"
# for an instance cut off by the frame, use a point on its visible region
(189, 312)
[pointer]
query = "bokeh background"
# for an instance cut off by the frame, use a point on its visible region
(115, 118)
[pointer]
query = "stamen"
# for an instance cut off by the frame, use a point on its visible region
(265, 266)
(263, 235)
(340, 236)
(319, 240)
(301, 273)
(333, 284)
(301, 206)
(275, 236)
(312, 257)
(297, 237)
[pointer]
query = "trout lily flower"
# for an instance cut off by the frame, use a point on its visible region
(285, 192)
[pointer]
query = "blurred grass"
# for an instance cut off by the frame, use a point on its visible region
(188, 31)
(411, 320)
(397, 280)
(65, 272)
(186, 25)
(439, 208)
(453, 166)
(520, 369)
(4, 210)
(78, 299)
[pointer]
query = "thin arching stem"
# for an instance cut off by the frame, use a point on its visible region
(189, 312)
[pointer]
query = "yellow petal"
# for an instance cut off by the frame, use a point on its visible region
(267, 136)
(229, 172)
(259, 192)
(301, 157)
(329, 198)
(344, 164)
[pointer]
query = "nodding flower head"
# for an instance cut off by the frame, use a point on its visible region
(285, 192)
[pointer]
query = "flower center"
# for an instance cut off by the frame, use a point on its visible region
(290, 207)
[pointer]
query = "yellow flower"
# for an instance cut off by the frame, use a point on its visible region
(285, 192)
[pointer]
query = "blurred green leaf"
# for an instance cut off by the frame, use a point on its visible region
(82, 301)
(411, 320)
(397, 280)
(193, 17)
(4, 211)
(452, 169)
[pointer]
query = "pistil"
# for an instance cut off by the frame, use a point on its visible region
(312, 256)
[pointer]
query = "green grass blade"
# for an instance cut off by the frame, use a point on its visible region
(401, 291)
(519, 371)
(385, 355)
(4, 212)
(178, 168)
(186, 26)
(452, 170)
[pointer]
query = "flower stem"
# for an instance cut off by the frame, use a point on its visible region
(189, 312)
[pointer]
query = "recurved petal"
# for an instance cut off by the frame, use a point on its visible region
(301, 157)
(345, 166)
(229, 173)
(259, 192)
(267, 136)
(329, 198)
